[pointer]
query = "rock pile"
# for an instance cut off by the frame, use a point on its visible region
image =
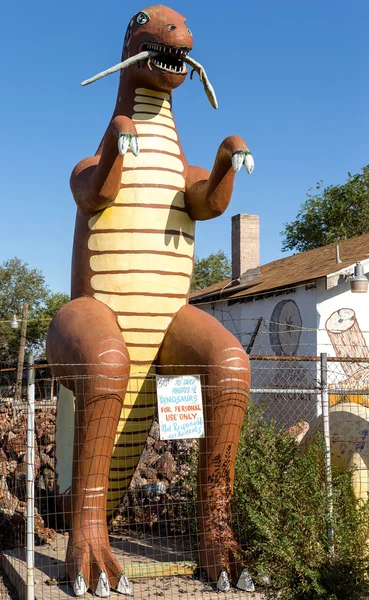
(13, 472)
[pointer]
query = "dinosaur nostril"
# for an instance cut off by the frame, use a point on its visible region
(171, 27)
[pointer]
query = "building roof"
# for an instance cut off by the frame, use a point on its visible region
(287, 272)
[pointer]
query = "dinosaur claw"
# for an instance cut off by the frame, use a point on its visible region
(237, 160)
(223, 583)
(249, 163)
(245, 582)
(123, 586)
(79, 586)
(102, 588)
(123, 143)
(243, 157)
(134, 145)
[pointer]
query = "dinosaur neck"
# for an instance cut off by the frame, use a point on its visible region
(128, 93)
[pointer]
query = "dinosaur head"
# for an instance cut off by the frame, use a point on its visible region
(156, 51)
(159, 30)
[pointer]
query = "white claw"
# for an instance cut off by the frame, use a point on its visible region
(223, 583)
(134, 145)
(79, 586)
(245, 582)
(237, 160)
(249, 163)
(123, 143)
(102, 588)
(123, 586)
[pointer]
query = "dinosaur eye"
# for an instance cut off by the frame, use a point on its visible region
(189, 30)
(142, 18)
(171, 27)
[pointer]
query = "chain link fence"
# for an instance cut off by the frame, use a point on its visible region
(153, 523)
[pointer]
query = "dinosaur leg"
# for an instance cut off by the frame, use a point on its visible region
(195, 338)
(88, 355)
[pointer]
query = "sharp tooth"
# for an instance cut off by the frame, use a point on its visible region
(170, 50)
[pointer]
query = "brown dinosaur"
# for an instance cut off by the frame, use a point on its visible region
(137, 203)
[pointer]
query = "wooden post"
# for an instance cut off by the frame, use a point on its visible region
(22, 346)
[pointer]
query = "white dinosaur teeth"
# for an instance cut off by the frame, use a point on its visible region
(123, 143)
(249, 163)
(135, 145)
(237, 161)
(245, 582)
(79, 586)
(123, 586)
(102, 588)
(223, 584)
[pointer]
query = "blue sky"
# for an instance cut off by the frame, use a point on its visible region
(291, 78)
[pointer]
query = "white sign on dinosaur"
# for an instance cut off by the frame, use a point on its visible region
(180, 407)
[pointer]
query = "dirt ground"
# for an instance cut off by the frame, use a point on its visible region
(7, 591)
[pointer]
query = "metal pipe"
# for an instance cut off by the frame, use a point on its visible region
(327, 445)
(22, 345)
(30, 525)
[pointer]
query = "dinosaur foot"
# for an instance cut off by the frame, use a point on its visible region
(222, 560)
(90, 564)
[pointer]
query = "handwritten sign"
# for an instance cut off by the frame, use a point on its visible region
(180, 407)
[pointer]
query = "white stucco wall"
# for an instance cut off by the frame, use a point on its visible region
(314, 307)
(353, 339)
(241, 319)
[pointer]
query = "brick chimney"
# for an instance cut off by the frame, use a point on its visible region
(245, 248)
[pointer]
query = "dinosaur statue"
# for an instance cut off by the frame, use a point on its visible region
(137, 203)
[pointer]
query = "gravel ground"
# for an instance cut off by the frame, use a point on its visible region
(7, 591)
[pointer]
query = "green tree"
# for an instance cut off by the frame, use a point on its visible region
(330, 214)
(19, 284)
(212, 269)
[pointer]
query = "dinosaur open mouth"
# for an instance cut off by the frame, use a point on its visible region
(168, 58)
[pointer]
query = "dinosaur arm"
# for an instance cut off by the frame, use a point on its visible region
(208, 194)
(96, 181)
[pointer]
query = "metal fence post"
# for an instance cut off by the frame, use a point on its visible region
(30, 530)
(327, 444)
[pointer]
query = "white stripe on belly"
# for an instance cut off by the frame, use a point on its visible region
(152, 177)
(155, 110)
(156, 101)
(143, 322)
(109, 242)
(152, 262)
(152, 160)
(158, 143)
(140, 304)
(142, 354)
(152, 129)
(150, 196)
(152, 93)
(158, 119)
(120, 217)
(141, 283)
(143, 337)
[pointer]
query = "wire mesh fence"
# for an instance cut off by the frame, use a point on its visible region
(113, 494)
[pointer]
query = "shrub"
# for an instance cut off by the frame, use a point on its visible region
(280, 509)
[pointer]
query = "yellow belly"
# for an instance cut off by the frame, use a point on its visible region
(142, 261)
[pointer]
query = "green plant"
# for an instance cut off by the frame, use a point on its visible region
(280, 512)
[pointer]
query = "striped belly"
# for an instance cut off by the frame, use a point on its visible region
(142, 258)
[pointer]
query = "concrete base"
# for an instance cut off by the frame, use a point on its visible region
(153, 569)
